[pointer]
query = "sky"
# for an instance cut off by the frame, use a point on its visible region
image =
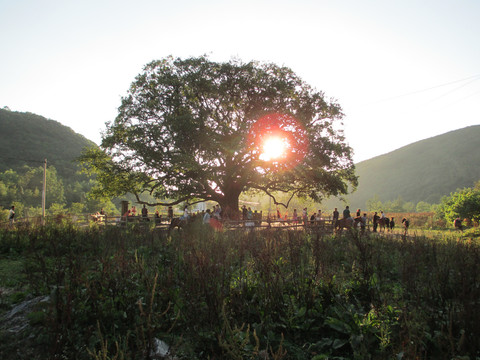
(402, 70)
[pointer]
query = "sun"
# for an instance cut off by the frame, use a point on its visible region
(279, 141)
(273, 148)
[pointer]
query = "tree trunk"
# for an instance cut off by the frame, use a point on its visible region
(229, 204)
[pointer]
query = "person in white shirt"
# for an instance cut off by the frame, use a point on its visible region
(11, 215)
(185, 214)
(206, 217)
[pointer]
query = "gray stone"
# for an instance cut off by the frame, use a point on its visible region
(16, 319)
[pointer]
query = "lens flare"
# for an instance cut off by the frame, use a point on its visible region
(278, 140)
(274, 148)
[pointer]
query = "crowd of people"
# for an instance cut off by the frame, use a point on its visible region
(253, 217)
(132, 213)
(215, 215)
(356, 218)
(378, 220)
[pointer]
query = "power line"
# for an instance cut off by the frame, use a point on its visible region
(18, 159)
(455, 89)
(471, 78)
(51, 162)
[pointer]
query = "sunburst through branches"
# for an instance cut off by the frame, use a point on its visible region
(279, 141)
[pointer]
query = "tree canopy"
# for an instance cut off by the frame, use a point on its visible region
(193, 130)
(464, 203)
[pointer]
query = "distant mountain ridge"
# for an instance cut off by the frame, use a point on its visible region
(28, 139)
(422, 171)
(425, 170)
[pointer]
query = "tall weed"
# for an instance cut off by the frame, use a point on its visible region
(251, 294)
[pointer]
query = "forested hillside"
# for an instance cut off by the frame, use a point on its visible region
(28, 139)
(420, 172)
(423, 171)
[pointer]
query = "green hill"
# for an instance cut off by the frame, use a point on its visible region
(28, 139)
(423, 171)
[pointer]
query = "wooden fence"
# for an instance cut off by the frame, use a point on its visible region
(163, 222)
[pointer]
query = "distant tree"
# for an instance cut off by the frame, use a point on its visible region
(477, 185)
(395, 206)
(374, 204)
(9, 188)
(31, 184)
(408, 207)
(76, 208)
(194, 130)
(26, 187)
(32, 211)
(423, 206)
(464, 203)
(93, 205)
(56, 209)
(3, 194)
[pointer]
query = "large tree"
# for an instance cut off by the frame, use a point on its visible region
(193, 129)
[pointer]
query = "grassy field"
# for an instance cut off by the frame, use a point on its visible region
(113, 293)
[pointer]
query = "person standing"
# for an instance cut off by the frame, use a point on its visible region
(375, 221)
(144, 213)
(206, 217)
(185, 213)
(346, 212)
(305, 216)
(217, 212)
(244, 212)
(363, 222)
(335, 217)
(249, 214)
(406, 224)
(11, 215)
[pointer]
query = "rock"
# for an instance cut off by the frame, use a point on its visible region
(16, 319)
(160, 349)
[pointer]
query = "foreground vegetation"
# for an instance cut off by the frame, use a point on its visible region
(239, 295)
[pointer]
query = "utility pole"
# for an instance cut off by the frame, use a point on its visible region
(44, 192)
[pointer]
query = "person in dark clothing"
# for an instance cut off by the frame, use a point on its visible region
(457, 223)
(363, 222)
(375, 221)
(335, 217)
(392, 224)
(244, 212)
(406, 224)
(144, 213)
(346, 212)
(11, 215)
